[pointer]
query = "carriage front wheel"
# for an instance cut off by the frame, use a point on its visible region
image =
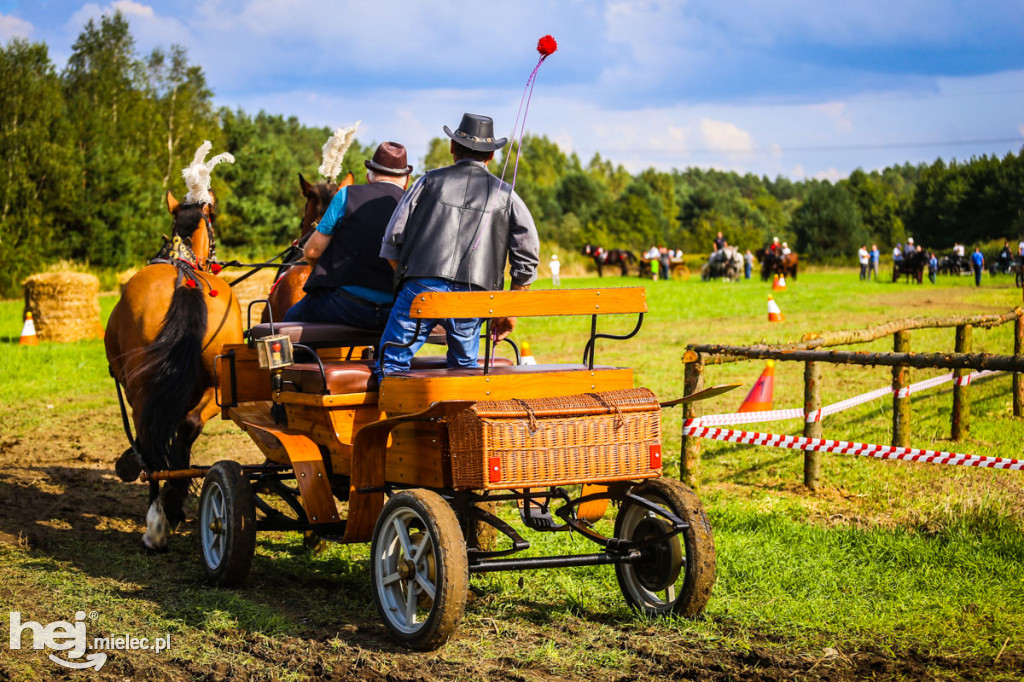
(419, 569)
(227, 524)
(672, 576)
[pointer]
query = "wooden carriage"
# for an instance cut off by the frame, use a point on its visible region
(416, 464)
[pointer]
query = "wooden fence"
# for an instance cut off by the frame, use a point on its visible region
(810, 351)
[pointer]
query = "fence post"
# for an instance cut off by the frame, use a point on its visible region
(689, 463)
(900, 404)
(1018, 378)
(812, 429)
(961, 420)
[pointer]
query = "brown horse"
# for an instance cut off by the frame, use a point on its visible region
(778, 264)
(287, 288)
(161, 340)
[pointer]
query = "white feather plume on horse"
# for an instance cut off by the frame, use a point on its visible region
(197, 175)
(334, 151)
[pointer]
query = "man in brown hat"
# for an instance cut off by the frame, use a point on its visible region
(453, 231)
(350, 284)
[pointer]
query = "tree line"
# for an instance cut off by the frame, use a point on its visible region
(90, 151)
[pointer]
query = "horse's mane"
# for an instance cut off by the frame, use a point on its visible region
(186, 218)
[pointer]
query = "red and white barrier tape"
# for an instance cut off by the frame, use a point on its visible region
(690, 428)
(798, 412)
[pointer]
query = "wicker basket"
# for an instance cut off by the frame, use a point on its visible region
(587, 438)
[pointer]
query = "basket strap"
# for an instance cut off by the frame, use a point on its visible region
(534, 425)
(619, 419)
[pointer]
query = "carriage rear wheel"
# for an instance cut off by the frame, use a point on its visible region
(419, 569)
(227, 525)
(673, 576)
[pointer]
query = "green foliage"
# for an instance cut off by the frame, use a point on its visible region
(827, 224)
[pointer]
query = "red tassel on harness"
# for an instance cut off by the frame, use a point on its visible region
(191, 283)
(215, 268)
(213, 292)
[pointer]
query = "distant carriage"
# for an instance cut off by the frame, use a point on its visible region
(910, 266)
(773, 262)
(726, 263)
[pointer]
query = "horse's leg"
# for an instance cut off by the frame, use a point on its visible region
(175, 492)
(625, 270)
(155, 537)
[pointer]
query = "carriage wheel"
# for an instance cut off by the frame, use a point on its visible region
(674, 576)
(227, 525)
(419, 569)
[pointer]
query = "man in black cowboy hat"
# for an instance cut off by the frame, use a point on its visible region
(453, 231)
(350, 284)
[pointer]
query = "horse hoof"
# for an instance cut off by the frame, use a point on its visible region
(127, 467)
(153, 550)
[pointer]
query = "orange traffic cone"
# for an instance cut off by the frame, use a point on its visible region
(526, 355)
(779, 283)
(28, 332)
(760, 397)
(774, 314)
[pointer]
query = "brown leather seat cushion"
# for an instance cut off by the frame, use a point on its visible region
(325, 335)
(357, 376)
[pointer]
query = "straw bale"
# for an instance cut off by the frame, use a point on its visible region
(64, 305)
(124, 276)
(253, 288)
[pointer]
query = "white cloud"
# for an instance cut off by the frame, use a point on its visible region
(831, 174)
(837, 113)
(721, 136)
(13, 27)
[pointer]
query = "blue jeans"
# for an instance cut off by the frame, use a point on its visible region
(463, 335)
(747, 268)
(337, 307)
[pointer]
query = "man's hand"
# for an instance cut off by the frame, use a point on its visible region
(501, 327)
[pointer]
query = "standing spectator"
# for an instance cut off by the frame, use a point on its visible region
(874, 262)
(933, 266)
(897, 253)
(748, 264)
(555, 267)
(663, 262)
(978, 263)
(863, 256)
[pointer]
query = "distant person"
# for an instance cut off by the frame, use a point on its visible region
(748, 264)
(663, 261)
(897, 253)
(785, 249)
(874, 262)
(933, 267)
(978, 263)
(719, 242)
(864, 257)
(555, 267)
(909, 249)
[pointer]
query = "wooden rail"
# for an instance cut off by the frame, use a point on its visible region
(811, 351)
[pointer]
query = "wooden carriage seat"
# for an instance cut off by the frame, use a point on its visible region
(354, 376)
(416, 389)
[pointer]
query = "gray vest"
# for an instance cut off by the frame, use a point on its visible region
(459, 207)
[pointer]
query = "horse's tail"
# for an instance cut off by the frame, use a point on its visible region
(172, 374)
(630, 256)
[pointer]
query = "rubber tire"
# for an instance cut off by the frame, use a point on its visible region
(226, 481)
(698, 570)
(451, 567)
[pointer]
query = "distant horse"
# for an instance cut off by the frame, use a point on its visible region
(911, 265)
(619, 257)
(161, 340)
(287, 288)
(726, 262)
(774, 263)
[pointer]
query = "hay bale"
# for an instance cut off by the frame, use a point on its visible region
(64, 305)
(253, 288)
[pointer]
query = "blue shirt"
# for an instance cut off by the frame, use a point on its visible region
(874, 255)
(977, 258)
(334, 213)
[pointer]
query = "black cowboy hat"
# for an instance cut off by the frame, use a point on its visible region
(389, 159)
(477, 133)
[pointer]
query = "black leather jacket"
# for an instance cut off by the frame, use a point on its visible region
(456, 224)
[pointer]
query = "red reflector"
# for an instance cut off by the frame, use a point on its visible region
(656, 456)
(494, 469)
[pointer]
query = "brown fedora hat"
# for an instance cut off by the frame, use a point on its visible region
(477, 133)
(389, 159)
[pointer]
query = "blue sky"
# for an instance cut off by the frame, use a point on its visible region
(790, 87)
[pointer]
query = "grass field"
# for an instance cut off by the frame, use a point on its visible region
(891, 570)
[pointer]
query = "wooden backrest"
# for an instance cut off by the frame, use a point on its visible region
(489, 304)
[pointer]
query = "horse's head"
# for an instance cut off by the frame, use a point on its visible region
(193, 224)
(318, 198)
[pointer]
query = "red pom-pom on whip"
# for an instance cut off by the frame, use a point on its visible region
(546, 46)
